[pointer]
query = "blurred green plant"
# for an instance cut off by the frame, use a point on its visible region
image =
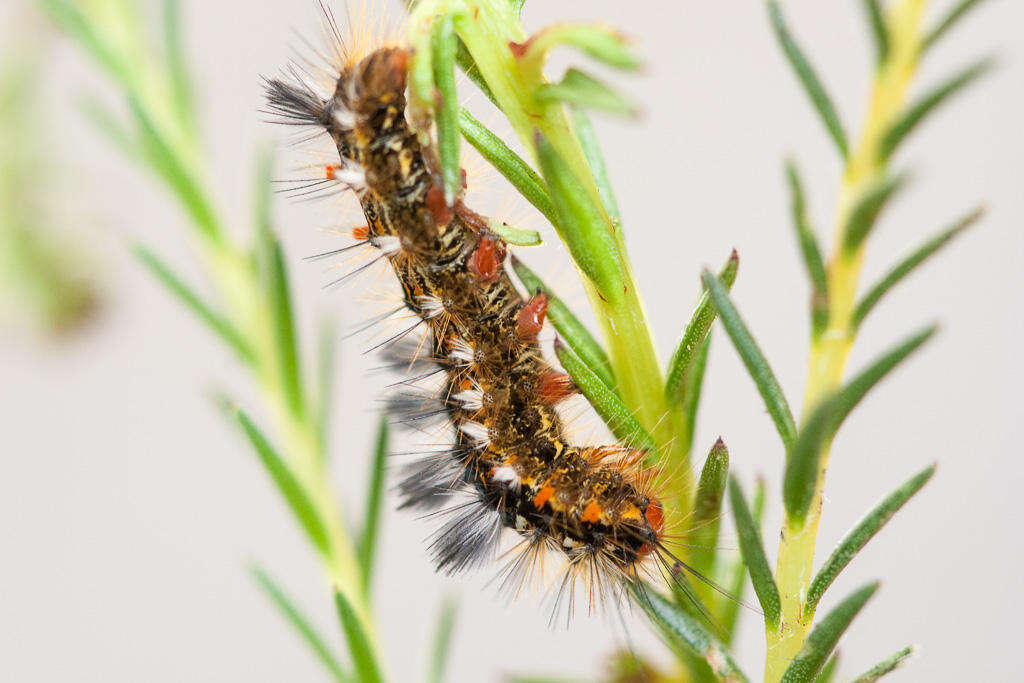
(249, 308)
(44, 273)
(565, 178)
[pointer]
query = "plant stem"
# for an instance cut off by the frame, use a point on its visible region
(830, 350)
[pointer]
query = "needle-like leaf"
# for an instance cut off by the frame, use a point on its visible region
(582, 225)
(444, 43)
(692, 388)
(828, 672)
(596, 40)
(927, 103)
(194, 302)
(752, 548)
(442, 641)
(695, 334)
(809, 250)
(177, 65)
(879, 30)
(299, 621)
(274, 276)
(289, 486)
(595, 159)
(886, 666)
(868, 206)
(859, 536)
(359, 647)
(908, 264)
(808, 78)
(801, 474)
(515, 236)
(707, 508)
(955, 14)
(605, 401)
(572, 331)
(526, 181)
(582, 90)
(737, 573)
(823, 638)
(367, 544)
(752, 358)
(685, 632)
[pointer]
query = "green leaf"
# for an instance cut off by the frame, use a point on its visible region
(572, 331)
(180, 179)
(584, 91)
(605, 401)
(810, 251)
(808, 78)
(908, 263)
(359, 647)
(684, 632)
(508, 163)
(886, 666)
(442, 641)
(592, 151)
(327, 348)
(927, 103)
(801, 476)
(446, 110)
(299, 621)
(367, 544)
(752, 358)
(752, 548)
(695, 334)
(176, 286)
(287, 483)
(866, 209)
(691, 393)
(859, 536)
(825, 635)
(177, 66)
(108, 125)
(581, 224)
(828, 672)
(707, 508)
(596, 40)
(274, 277)
(879, 31)
(737, 574)
(514, 236)
(955, 14)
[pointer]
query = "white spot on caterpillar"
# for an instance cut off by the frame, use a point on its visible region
(569, 543)
(389, 244)
(344, 117)
(431, 305)
(471, 399)
(476, 432)
(351, 175)
(520, 523)
(508, 476)
(461, 350)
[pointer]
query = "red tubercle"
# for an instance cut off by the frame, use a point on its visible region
(554, 386)
(330, 170)
(530, 318)
(361, 232)
(655, 516)
(437, 206)
(485, 261)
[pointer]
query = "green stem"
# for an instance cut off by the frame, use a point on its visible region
(830, 350)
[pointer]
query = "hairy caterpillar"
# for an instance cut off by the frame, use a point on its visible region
(593, 505)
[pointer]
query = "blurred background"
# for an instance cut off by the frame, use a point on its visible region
(129, 507)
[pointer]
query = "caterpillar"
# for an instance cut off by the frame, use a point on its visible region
(593, 505)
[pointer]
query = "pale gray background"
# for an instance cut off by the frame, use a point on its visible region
(128, 507)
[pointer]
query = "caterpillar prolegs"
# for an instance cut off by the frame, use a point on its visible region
(593, 505)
